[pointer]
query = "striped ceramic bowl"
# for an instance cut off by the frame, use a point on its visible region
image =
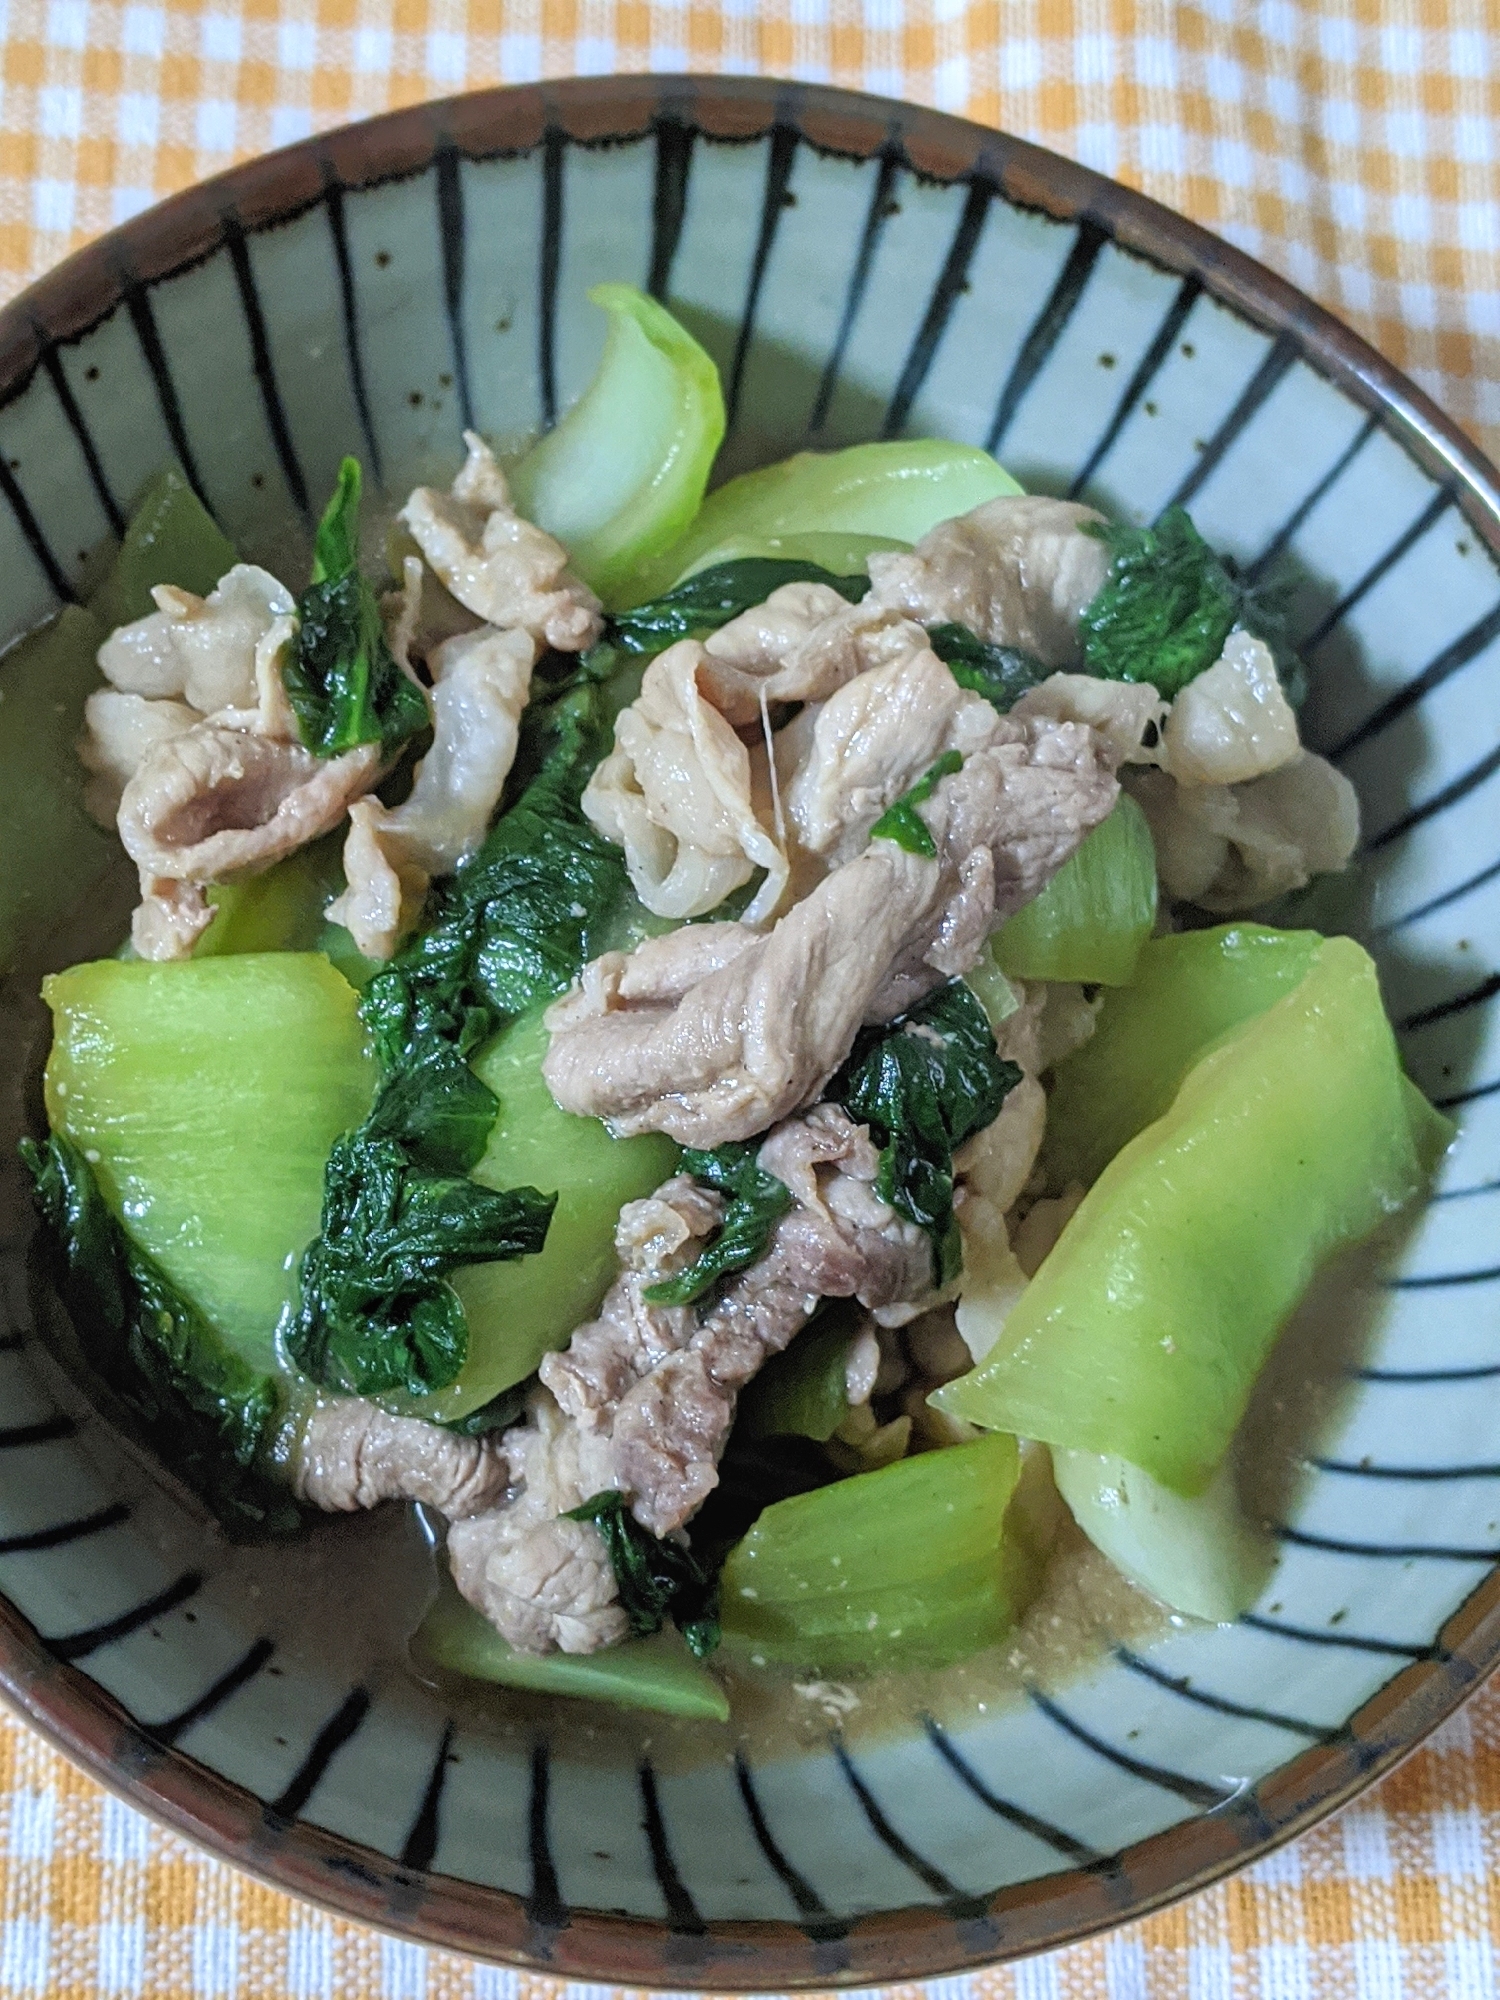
(858, 269)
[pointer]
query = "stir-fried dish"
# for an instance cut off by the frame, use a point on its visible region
(715, 1044)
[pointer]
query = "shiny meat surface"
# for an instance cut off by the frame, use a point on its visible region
(712, 1057)
(685, 798)
(497, 565)
(642, 1400)
(219, 800)
(1129, 715)
(803, 644)
(480, 684)
(1019, 572)
(544, 1583)
(200, 650)
(871, 742)
(352, 1454)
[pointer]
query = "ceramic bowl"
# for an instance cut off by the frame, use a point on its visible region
(859, 269)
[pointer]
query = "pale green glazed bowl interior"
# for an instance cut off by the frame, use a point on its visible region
(858, 270)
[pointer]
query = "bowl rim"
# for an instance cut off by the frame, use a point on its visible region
(88, 1725)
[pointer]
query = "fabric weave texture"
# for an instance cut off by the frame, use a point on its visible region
(1355, 147)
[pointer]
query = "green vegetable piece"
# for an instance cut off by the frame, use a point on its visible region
(1188, 991)
(902, 822)
(656, 1580)
(280, 910)
(655, 1674)
(341, 679)
(991, 988)
(924, 1085)
(516, 923)
(1199, 1555)
(711, 597)
(835, 555)
(756, 1201)
(622, 475)
(199, 1404)
(517, 1312)
(373, 1312)
(895, 491)
(909, 1566)
(802, 1392)
(1165, 609)
(1002, 674)
(1094, 916)
(206, 1096)
(170, 538)
(45, 679)
(1145, 1329)
(512, 928)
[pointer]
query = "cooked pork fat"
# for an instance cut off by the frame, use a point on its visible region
(497, 564)
(200, 650)
(119, 732)
(1018, 572)
(802, 644)
(219, 800)
(351, 1454)
(480, 684)
(651, 1045)
(1129, 715)
(684, 797)
(871, 742)
(642, 1400)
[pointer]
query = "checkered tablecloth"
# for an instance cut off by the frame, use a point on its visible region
(1355, 146)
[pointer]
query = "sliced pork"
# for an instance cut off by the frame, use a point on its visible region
(683, 796)
(642, 1400)
(724, 1055)
(1018, 572)
(498, 565)
(480, 684)
(352, 1454)
(803, 644)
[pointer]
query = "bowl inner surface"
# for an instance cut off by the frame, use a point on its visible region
(857, 271)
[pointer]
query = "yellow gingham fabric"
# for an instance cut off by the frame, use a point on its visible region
(1353, 145)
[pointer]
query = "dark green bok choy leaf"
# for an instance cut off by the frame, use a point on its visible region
(205, 1410)
(756, 1201)
(923, 1085)
(340, 677)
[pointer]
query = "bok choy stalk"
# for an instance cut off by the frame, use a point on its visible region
(1143, 1333)
(1198, 1555)
(199, 1405)
(49, 674)
(519, 1310)
(1188, 991)
(1096, 913)
(206, 1095)
(884, 494)
(912, 1565)
(622, 475)
(170, 538)
(657, 1674)
(803, 1391)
